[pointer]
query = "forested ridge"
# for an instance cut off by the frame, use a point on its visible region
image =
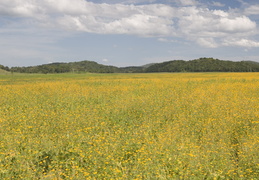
(204, 65)
(197, 65)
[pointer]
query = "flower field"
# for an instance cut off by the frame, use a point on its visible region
(129, 126)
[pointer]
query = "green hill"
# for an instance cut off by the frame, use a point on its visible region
(197, 65)
(3, 71)
(82, 66)
(204, 65)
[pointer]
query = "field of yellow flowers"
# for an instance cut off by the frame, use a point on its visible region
(129, 126)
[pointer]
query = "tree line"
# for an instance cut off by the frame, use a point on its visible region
(204, 65)
(197, 65)
(6, 68)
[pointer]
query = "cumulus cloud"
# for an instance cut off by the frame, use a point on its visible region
(240, 42)
(214, 23)
(19, 8)
(220, 13)
(252, 10)
(204, 26)
(237, 24)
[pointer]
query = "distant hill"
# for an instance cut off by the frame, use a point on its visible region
(252, 62)
(204, 65)
(131, 69)
(3, 71)
(82, 66)
(148, 65)
(197, 65)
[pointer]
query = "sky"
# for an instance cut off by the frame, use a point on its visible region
(127, 32)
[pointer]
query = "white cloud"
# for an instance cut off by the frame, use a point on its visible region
(140, 24)
(26, 8)
(65, 6)
(124, 1)
(204, 21)
(105, 60)
(220, 13)
(252, 10)
(217, 4)
(117, 19)
(163, 40)
(202, 25)
(187, 2)
(240, 42)
(207, 42)
(237, 24)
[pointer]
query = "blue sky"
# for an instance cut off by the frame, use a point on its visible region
(127, 32)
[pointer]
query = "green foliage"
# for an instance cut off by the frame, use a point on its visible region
(204, 65)
(132, 69)
(197, 65)
(4, 67)
(75, 67)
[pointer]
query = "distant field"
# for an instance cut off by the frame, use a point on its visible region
(129, 126)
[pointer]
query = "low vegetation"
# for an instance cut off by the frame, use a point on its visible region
(3, 71)
(129, 126)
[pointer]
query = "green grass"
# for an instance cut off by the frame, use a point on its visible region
(3, 72)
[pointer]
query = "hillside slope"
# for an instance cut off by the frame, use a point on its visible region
(3, 71)
(197, 65)
(82, 66)
(204, 65)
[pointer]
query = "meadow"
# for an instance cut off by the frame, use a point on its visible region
(129, 126)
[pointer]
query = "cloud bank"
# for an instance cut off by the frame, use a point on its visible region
(187, 20)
